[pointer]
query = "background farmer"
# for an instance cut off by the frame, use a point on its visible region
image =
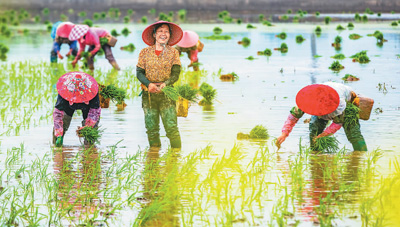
(60, 32)
(190, 44)
(159, 66)
(325, 102)
(76, 90)
(91, 37)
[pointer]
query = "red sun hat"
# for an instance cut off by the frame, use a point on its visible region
(317, 99)
(175, 36)
(64, 29)
(189, 39)
(77, 87)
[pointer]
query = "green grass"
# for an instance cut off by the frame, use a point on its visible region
(327, 144)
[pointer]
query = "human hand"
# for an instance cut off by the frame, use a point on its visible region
(162, 85)
(69, 53)
(78, 131)
(281, 139)
(60, 56)
(73, 63)
(153, 88)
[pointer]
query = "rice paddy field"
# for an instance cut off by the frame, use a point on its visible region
(215, 179)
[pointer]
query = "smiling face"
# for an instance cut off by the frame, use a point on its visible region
(162, 34)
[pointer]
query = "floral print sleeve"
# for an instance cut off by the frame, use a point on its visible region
(58, 122)
(93, 117)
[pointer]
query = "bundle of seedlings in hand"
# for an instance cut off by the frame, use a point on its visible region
(259, 132)
(187, 92)
(351, 115)
(208, 93)
(92, 135)
(266, 52)
(130, 47)
(349, 77)
(336, 66)
(326, 144)
(361, 57)
(170, 92)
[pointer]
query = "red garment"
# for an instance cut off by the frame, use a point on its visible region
(158, 52)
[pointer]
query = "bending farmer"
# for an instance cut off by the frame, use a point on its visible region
(190, 44)
(95, 38)
(60, 33)
(76, 90)
(159, 66)
(328, 101)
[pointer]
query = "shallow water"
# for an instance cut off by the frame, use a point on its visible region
(263, 94)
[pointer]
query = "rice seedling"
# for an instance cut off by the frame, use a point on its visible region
(349, 77)
(88, 22)
(171, 93)
(300, 39)
(354, 36)
(259, 132)
(336, 66)
(250, 26)
(182, 14)
(364, 18)
(187, 92)
(261, 17)
(217, 30)
(337, 42)
(317, 13)
(82, 14)
(351, 115)
(361, 57)
(338, 56)
(350, 25)
(327, 144)
(369, 11)
(284, 17)
(282, 35)
(245, 42)
(96, 16)
(130, 47)
(127, 19)
(125, 32)
(45, 11)
(266, 52)
(218, 37)
(394, 23)
(208, 93)
(318, 30)
(239, 21)
(144, 19)
(250, 58)
(327, 20)
(283, 49)
(267, 23)
(340, 28)
(115, 33)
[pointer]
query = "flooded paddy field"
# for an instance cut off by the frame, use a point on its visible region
(215, 180)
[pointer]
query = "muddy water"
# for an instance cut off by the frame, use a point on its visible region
(263, 94)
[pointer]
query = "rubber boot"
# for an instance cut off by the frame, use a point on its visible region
(115, 65)
(66, 123)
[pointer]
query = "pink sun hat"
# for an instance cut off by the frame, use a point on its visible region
(189, 39)
(174, 38)
(64, 29)
(317, 99)
(78, 31)
(77, 87)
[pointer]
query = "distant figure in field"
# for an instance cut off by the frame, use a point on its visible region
(190, 44)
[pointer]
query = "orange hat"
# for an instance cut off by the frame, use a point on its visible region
(317, 99)
(175, 37)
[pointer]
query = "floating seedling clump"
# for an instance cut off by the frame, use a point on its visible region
(258, 132)
(170, 92)
(250, 58)
(350, 25)
(394, 23)
(143, 20)
(340, 28)
(336, 66)
(267, 23)
(91, 134)
(229, 77)
(354, 36)
(3, 51)
(217, 30)
(339, 56)
(318, 30)
(327, 144)
(208, 93)
(283, 49)
(130, 47)
(187, 92)
(88, 22)
(245, 42)
(361, 57)
(349, 77)
(337, 42)
(115, 33)
(327, 20)
(300, 39)
(125, 32)
(379, 37)
(266, 52)
(250, 26)
(282, 35)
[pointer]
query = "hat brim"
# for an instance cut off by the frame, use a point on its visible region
(64, 29)
(189, 39)
(77, 87)
(317, 99)
(174, 38)
(78, 31)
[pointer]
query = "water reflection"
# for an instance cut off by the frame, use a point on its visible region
(160, 200)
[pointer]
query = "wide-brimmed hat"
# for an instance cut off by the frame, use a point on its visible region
(175, 36)
(317, 99)
(78, 31)
(77, 87)
(64, 29)
(189, 39)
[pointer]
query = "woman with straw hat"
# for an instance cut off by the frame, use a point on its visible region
(76, 90)
(325, 102)
(91, 37)
(60, 33)
(190, 44)
(159, 66)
